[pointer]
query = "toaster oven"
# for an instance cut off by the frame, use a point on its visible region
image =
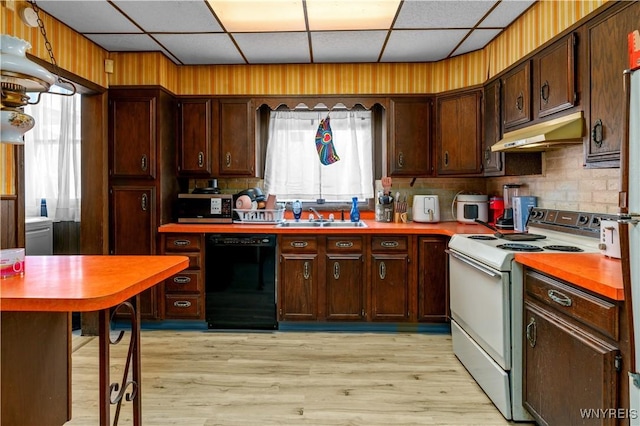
(205, 208)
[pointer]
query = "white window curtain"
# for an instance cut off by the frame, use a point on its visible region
(52, 158)
(293, 169)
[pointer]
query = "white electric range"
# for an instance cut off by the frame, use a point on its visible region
(487, 296)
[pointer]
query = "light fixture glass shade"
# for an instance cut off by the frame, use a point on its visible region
(14, 125)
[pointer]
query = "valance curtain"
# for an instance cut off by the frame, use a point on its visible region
(52, 158)
(293, 169)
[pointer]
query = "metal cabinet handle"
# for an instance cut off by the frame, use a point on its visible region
(306, 270)
(544, 92)
(143, 202)
(520, 102)
(181, 243)
(597, 133)
(182, 304)
(200, 159)
(344, 244)
(181, 279)
(400, 160)
(298, 244)
(559, 298)
(532, 332)
(382, 270)
(143, 163)
(336, 270)
(389, 244)
(446, 158)
(228, 159)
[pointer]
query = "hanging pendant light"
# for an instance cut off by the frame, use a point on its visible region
(19, 75)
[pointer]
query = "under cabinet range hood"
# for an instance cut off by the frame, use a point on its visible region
(542, 136)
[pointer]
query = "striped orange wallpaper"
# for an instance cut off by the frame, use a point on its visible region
(75, 53)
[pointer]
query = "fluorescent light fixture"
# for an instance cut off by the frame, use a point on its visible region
(239, 16)
(326, 15)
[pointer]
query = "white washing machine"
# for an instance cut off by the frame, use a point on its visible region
(39, 236)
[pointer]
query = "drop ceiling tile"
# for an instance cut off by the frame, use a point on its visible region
(477, 40)
(171, 16)
(324, 15)
(197, 49)
(259, 15)
(267, 48)
(95, 16)
(347, 46)
(421, 45)
(422, 14)
(506, 12)
(125, 42)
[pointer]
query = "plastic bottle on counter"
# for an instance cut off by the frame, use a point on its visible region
(354, 215)
(297, 209)
(43, 207)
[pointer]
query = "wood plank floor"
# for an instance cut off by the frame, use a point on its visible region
(289, 378)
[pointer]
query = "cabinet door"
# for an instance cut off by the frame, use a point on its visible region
(344, 287)
(194, 138)
(566, 370)
(516, 105)
(459, 133)
(492, 162)
(607, 58)
(390, 287)
(237, 140)
(298, 287)
(409, 144)
(132, 136)
(433, 280)
(555, 77)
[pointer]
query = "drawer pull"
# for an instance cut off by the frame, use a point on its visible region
(544, 92)
(182, 304)
(336, 270)
(400, 160)
(144, 202)
(181, 243)
(531, 332)
(520, 102)
(143, 163)
(200, 159)
(559, 298)
(228, 159)
(597, 133)
(389, 244)
(382, 270)
(299, 244)
(344, 244)
(181, 279)
(306, 270)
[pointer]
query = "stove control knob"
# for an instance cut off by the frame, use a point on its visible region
(583, 220)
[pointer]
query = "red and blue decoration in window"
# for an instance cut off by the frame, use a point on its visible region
(324, 143)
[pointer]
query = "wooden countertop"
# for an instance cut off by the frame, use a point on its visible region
(84, 283)
(591, 271)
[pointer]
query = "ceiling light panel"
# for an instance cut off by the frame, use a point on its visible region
(422, 14)
(328, 15)
(268, 48)
(198, 49)
(505, 13)
(421, 45)
(477, 40)
(96, 16)
(171, 16)
(347, 46)
(259, 16)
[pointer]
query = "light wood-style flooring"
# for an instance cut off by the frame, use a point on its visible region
(204, 378)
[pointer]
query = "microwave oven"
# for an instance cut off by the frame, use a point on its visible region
(205, 208)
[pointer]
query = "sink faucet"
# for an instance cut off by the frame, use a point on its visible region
(320, 217)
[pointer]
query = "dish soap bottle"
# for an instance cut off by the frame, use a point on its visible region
(297, 210)
(354, 214)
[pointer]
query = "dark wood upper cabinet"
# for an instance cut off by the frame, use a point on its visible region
(236, 140)
(409, 140)
(606, 38)
(459, 133)
(516, 105)
(555, 77)
(194, 137)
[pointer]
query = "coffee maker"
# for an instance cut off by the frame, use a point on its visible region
(510, 190)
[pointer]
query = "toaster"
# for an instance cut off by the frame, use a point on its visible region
(609, 238)
(426, 208)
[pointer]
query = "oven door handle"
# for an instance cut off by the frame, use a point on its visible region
(479, 266)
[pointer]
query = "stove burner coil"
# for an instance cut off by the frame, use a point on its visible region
(519, 247)
(563, 248)
(482, 237)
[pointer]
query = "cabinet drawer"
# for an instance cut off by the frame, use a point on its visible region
(344, 244)
(388, 244)
(592, 311)
(188, 242)
(298, 244)
(183, 306)
(184, 282)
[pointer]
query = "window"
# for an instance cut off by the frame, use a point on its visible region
(52, 158)
(293, 169)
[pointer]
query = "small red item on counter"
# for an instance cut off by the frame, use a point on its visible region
(496, 209)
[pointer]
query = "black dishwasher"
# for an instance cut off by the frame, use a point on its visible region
(241, 281)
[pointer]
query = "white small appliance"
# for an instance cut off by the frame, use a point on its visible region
(38, 236)
(471, 207)
(521, 207)
(609, 239)
(426, 208)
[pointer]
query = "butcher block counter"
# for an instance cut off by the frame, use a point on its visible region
(593, 272)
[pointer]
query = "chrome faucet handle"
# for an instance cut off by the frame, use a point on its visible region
(320, 217)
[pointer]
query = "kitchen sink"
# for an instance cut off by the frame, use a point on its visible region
(319, 224)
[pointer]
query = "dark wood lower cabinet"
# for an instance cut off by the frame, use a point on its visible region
(298, 287)
(390, 287)
(344, 287)
(433, 279)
